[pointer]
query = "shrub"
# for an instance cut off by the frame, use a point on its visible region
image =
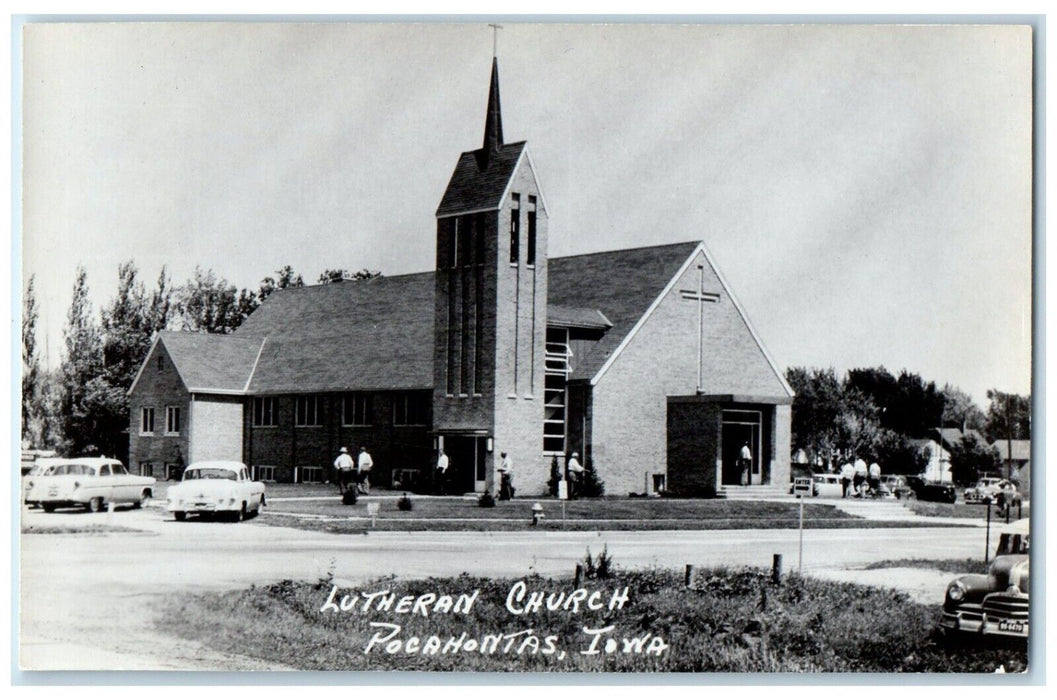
(487, 500)
(404, 503)
(592, 486)
(556, 477)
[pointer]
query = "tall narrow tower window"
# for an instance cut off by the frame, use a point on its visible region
(530, 254)
(515, 229)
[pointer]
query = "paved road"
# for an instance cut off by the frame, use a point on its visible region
(86, 600)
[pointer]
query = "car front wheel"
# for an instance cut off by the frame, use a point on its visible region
(179, 516)
(95, 505)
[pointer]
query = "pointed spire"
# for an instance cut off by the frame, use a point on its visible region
(493, 125)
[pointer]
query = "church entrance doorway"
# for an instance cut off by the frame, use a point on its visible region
(467, 470)
(742, 428)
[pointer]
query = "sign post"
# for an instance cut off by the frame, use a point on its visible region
(800, 554)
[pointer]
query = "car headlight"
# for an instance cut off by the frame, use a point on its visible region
(956, 591)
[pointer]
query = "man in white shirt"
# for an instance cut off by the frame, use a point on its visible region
(344, 467)
(745, 462)
(576, 475)
(506, 477)
(847, 471)
(875, 476)
(363, 469)
(442, 472)
(860, 475)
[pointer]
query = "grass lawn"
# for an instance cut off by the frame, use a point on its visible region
(965, 510)
(589, 514)
(954, 566)
(730, 621)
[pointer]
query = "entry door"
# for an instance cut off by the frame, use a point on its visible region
(741, 428)
(467, 458)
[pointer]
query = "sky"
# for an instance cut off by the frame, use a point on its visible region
(866, 190)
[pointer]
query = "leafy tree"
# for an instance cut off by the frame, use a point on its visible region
(285, 278)
(209, 304)
(31, 374)
(971, 458)
(959, 410)
(591, 486)
(857, 425)
(898, 454)
(1008, 416)
(342, 275)
(817, 410)
(82, 362)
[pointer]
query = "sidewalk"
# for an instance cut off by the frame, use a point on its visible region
(895, 510)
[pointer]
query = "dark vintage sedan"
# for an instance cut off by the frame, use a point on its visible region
(925, 490)
(994, 604)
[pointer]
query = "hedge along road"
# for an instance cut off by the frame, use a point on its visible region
(97, 590)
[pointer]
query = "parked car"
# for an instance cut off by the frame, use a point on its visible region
(925, 490)
(88, 482)
(897, 486)
(31, 480)
(994, 604)
(216, 488)
(993, 490)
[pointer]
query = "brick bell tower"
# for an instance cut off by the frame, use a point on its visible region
(490, 310)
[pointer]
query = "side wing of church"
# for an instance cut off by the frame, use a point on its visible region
(641, 361)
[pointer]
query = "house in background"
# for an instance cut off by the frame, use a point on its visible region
(1020, 465)
(640, 360)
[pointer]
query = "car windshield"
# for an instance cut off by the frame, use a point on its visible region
(209, 473)
(1014, 543)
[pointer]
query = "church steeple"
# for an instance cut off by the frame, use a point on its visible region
(493, 123)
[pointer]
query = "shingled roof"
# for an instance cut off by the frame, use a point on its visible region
(473, 188)
(621, 284)
(373, 334)
(207, 362)
(378, 334)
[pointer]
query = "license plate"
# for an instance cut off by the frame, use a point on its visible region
(1013, 626)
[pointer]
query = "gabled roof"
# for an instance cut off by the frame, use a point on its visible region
(950, 436)
(621, 284)
(1021, 449)
(211, 362)
(473, 188)
(576, 317)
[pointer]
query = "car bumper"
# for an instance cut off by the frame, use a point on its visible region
(983, 625)
(204, 507)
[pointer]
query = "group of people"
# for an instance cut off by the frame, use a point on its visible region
(353, 473)
(858, 479)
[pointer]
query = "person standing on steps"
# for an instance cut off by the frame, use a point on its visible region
(363, 470)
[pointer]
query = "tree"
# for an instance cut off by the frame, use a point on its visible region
(285, 278)
(591, 486)
(1008, 416)
(857, 425)
(342, 275)
(817, 410)
(959, 410)
(898, 454)
(31, 374)
(209, 304)
(82, 362)
(971, 458)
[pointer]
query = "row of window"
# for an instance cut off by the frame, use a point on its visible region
(172, 420)
(357, 409)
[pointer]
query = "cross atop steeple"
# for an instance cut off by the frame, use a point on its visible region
(495, 38)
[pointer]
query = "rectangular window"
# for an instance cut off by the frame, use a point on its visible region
(530, 254)
(357, 409)
(265, 414)
(409, 409)
(465, 249)
(557, 367)
(146, 421)
(451, 226)
(515, 229)
(307, 411)
(172, 420)
(478, 225)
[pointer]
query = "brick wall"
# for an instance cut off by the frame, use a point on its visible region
(157, 388)
(693, 447)
(522, 313)
(630, 400)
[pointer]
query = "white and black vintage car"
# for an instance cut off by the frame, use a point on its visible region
(995, 603)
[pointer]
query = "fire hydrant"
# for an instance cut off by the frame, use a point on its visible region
(537, 513)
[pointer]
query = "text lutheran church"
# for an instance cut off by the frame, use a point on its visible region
(641, 360)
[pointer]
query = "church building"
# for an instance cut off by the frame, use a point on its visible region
(640, 360)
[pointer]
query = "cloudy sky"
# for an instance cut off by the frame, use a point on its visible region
(866, 190)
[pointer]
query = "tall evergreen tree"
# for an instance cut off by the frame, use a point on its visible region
(31, 374)
(82, 363)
